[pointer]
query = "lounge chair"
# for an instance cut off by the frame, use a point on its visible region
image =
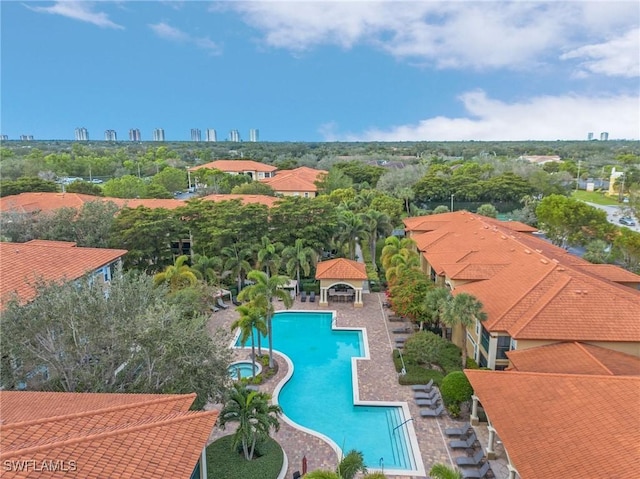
(401, 330)
(427, 402)
(472, 461)
(303, 296)
(432, 412)
(466, 444)
(476, 473)
(214, 309)
(312, 297)
(458, 431)
(222, 304)
(422, 395)
(423, 387)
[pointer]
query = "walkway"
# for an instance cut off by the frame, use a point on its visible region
(378, 382)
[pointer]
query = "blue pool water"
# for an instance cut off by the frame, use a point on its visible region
(243, 369)
(319, 395)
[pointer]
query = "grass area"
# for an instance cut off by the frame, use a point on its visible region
(225, 463)
(595, 197)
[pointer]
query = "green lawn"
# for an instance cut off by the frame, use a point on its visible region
(594, 197)
(225, 463)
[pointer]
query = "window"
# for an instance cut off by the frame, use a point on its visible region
(504, 345)
(306, 194)
(483, 361)
(432, 274)
(484, 339)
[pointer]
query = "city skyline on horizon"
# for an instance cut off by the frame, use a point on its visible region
(324, 71)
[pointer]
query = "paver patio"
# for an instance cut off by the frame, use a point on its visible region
(377, 379)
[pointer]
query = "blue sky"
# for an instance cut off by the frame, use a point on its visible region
(322, 71)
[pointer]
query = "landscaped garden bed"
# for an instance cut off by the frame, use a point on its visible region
(223, 462)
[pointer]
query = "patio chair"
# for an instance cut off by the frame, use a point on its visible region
(469, 442)
(432, 412)
(427, 402)
(235, 301)
(303, 296)
(312, 297)
(405, 330)
(214, 309)
(477, 473)
(472, 461)
(422, 395)
(458, 431)
(423, 387)
(222, 304)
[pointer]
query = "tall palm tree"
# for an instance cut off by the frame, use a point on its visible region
(463, 309)
(250, 321)
(299, 257)
(394, 245)
(377, 224)
(262, 293)
(403, 260)
(256, 417)
(179, 275)
(435, 302)
(236, 262)
(441, 471)
(269, 256)
(351, 228)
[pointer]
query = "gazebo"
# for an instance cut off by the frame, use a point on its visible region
(341, 279)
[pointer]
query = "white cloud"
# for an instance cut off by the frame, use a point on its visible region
(166, 31)
(619, 56)
(567, 117)
(78, 10)
(456, 34)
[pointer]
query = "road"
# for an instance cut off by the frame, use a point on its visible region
(613, 215)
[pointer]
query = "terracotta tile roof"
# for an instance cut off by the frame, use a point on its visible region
(610, 272)
(168, 204)
(51, 244)
(574, 358)
(562, 425)
(31, 202)
(300, 179)
(246, 199)
(527, 284)
(22, 264)
(106, 435)
(236, 166)
(341, 268)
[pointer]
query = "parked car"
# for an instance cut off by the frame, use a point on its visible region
(96, 181)
(626, 220)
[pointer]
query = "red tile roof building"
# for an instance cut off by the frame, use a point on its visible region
(99, 435)
(255, 169)
(533, 292)
(268, 201)
(297, 182)
(22, 265)
(341, 271)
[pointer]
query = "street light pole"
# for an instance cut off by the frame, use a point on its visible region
(452, 202)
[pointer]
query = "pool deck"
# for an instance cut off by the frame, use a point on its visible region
(377, 379)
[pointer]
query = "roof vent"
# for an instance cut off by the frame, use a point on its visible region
(538, 251)
(527, 251)
(503, 237)
(544, 261)
(555, 261)
(561, 269)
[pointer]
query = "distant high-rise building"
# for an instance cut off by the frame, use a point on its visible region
(211, 134)
(26, 137)
(110, 135)
(158, 134)
(82, 134)
(4, 137)
(590, 136)
(604, 136)
(254, 134)
(234, 136)
(134, 134)
(196, 134)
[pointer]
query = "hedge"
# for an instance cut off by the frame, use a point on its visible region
(225, 463)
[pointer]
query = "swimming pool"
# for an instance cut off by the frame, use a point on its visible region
(321, 395)
(243, 369)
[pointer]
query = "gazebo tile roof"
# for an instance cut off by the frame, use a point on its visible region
(341, 268)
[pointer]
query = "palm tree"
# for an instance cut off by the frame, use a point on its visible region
(463, 309)
(236, 262)
(351, 464)
(299, 257)
(435, 302)
(403, 260)
(351, 228)
(250, 321)
(262, 292)
(256, 417)
(178, 275)
(441, 471)
(377, 223)
(206, 268)
(268, 256)
(394, 245)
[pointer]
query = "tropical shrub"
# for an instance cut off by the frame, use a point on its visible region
(423, 348)
(455, 389)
